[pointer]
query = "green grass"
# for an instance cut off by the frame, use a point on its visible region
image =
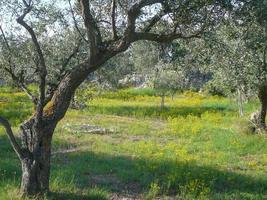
(193, 149)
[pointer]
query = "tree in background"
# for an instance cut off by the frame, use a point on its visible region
(166, 80)
(255, 19)
(237, 56)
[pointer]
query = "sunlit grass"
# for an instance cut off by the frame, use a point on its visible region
(192, 149)
(149, 106)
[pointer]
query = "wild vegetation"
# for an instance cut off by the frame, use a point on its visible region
(152, 87)
(196, 148)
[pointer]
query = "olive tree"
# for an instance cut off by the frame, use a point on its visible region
(237, 55)
(255, 19)
(166, 80)
(106, 28)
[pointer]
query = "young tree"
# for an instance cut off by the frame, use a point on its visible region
(108, 28)
(167, 80)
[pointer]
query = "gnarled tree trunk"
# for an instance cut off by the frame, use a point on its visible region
(35, 163)
(263, 101)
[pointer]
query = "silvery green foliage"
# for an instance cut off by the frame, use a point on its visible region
(168, 80)
(237, 49)
(235, 55)
(238, 56)
(51, 26)
(141, 58)
(114, 70)
(53, 23)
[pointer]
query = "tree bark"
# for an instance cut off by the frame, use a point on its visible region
(240, 102)
(162, 104)
(36, 161)
(263, 107)
(36, 135)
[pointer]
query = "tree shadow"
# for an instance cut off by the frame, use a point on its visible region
(9, 163)
(74, 196)
(130, 175)
(156, 111)
(127, 175)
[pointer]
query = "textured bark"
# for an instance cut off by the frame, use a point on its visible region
(36, 161)
(37, 135)
(35, 176)
(263, 100)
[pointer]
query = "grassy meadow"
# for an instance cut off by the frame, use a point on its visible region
(197, 147)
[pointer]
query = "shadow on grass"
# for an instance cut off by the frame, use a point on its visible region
(134, 176)
(155, 111)
(129, 175)
(73, 196)
(9, 162)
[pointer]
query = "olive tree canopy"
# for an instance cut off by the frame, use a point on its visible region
(73, 39)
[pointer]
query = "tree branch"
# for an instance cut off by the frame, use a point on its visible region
(76, 24)
(72, 55)
(113, 17)
(16, 79)
(52, 87)
(42, 66)
(264, 57)
(154, 21)
(12, 138)
(162, 38)
(21, 85)
(135, 11)
(93, 32)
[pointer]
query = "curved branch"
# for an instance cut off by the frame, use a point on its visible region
(22, 85)
(53, 86)
(42, 67)
(76, 24)
(135, 11)
(162, 38)
(16, 79)
(154, 21)
(264, 57)
(113, 17)
(11, 137)
(93, 32)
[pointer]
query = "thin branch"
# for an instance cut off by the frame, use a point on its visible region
(162, 38)
(12, 138)
(76, 24)
(5, 39)
(16, 79)
(72, 55)
(21, 84)
(42, 66)
(93, 32)
(135, 11)
(264, 57)
(154, 21)
(103, 21)
(27, 4)
(65, 63)
(113, 17)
